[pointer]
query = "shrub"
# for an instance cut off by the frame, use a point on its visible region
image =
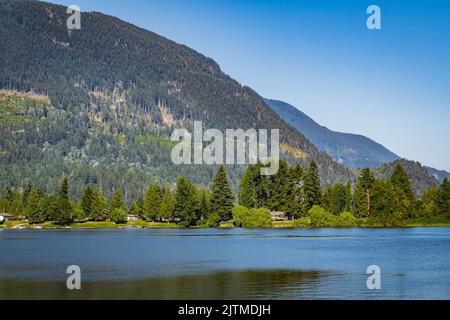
(240, 214)
(252, 218)
(303, 222)
(346, 220)
(320, 218)
(119, 216)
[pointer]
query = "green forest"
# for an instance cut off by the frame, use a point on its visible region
(294, 190)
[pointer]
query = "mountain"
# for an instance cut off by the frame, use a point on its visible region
(421, 180)
(439, 175)
(99, 104)
(352, 150)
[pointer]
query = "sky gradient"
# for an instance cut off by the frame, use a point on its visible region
(391, 85)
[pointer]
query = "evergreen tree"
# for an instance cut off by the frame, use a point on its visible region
(348, 197)
(404, 194)
(64, 193)
(246, 196)
(327, 197)
(366, 181)
(186, 205)
(295, 205)
(338, 199)
(63, 208)
(152, 203)
(312, 186)
(86, 202)
(262, 185)
(221, 195)
(384, 205)
(280, 189)
(117, 201)
(34, 207)
(167, 205)
(98, 206)
(444, 197)
(204, 204)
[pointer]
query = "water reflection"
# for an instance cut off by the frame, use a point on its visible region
(242, 284)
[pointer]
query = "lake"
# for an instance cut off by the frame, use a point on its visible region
(226, 264)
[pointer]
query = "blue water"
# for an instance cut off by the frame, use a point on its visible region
(414, 262)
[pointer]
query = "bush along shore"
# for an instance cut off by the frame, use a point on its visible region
(294, 194)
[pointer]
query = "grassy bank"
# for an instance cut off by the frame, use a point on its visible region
(291, 224)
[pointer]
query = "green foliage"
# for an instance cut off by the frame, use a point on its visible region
(346, 220)
(167, 205)
(108, 100)
(117, 201)
(320, 218)
(221, 195)
(443, 199)
(312, 186)
(302, 222)
(33, 210)
(252, 218)
(403, 191)
(86, 202)
(62, 207)
(186, 202)
(119, 216)
(246, 196)
(152, 203)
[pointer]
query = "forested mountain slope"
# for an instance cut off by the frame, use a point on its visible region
(106, 98)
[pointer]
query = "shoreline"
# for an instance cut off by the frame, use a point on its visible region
(105, 225)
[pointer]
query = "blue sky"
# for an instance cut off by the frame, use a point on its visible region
(392, 85)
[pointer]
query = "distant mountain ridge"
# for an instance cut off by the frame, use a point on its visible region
(352, 150)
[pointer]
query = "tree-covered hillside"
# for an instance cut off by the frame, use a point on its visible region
(105, 100)
(420, 178)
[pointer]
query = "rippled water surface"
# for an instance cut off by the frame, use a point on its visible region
(226, 264)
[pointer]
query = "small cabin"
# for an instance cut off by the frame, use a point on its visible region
(279, 216)
(132, 217)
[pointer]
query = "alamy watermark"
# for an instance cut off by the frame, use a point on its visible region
(74, 20)
(74, 280)
(374, 280)
(374, 20)
(236, 146)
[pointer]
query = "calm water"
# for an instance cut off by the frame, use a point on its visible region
(226, 264)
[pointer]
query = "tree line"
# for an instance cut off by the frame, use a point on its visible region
(294, 190)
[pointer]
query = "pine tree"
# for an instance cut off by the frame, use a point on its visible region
(312, 186)
(167, 205)
(280, 189)
(327, 198)
(338, 199)
(98, 206)
(186, 205)
(366, 181)
(117, 201)
(152, 203)
(34, 207)
(204, 204)
(86, 202)
(404, 193)
(64, 193)
(348, 197)
(247, 195)
(221, 195)
(262, 185)
(295, 205)
(443, 200)
(63, 208)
